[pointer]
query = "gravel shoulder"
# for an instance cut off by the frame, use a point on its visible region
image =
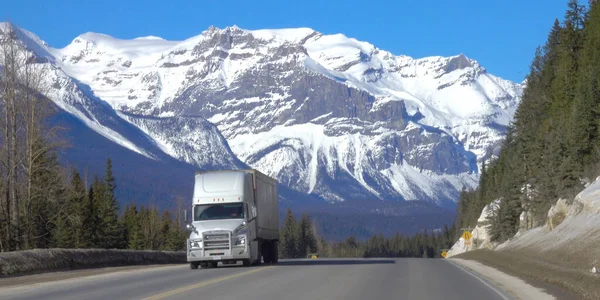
(560, 281)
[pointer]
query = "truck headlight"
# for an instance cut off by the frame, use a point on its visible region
(240, 240)
(196, 244)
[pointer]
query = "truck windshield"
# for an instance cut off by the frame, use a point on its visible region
(218, 211)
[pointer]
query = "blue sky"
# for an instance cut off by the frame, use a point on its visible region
(501, 35)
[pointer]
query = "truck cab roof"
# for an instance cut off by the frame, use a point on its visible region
(219, 184)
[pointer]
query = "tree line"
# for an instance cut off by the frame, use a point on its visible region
(300, 238)
(91, 218)
(552, 147)
(425, 245)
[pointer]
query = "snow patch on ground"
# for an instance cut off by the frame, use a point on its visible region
(480, 234)
(580, 227)
(568, 239)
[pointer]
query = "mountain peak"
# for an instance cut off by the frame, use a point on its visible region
(28, 40)
(460, 62)
(4, 26)
(294, 35)
(92, 37)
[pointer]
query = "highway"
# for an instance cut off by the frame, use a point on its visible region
(406, 278)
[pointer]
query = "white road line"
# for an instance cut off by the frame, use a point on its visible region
(485, 282)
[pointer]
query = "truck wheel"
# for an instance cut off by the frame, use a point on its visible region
(275, 252)
(266, 250)
(246, 262)
(259, 256)
(213, 264)
(194, 265)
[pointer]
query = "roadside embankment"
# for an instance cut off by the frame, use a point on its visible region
(525, 264)
(53, 260)
(565, 251)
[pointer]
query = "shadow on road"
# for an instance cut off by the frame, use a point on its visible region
(332, 262)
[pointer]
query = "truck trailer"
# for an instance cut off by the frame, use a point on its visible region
(234, 217)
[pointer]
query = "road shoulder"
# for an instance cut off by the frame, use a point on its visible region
(509, 286)
(16, 281)
(561, 281)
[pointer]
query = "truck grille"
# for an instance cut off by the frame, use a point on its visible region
(217, 241)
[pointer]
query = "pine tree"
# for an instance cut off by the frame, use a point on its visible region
(101, 215)
(133, 230)
(77, 202)
(165, 230)
(89, 230)
(306, 241)
(113, 230)
(576, 14)
(176, 238)
(62, 235)
(108, 231)
(48, 201)
(586, 109)
(289, 237)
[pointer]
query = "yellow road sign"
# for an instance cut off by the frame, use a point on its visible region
(467, 236)
(444, 254)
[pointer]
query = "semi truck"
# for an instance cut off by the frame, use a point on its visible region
(234, 218)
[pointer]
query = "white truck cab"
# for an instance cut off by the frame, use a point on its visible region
(234, 217)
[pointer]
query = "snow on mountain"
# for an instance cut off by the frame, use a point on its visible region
(325, 114)
(76, 98)
(195, 135)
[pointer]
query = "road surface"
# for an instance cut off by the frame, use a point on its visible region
(407, 278)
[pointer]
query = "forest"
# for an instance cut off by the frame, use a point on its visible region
(299, 238)
(552, 148)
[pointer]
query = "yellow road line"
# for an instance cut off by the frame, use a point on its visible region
(202, 284)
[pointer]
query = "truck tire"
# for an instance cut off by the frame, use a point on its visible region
(275, 249)
(246, 262)
(270, 252)
(266, 250)
(194, 265)
(260, 253)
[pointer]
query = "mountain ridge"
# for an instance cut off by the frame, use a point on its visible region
(321, 113)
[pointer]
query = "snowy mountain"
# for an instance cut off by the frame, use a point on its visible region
(325, 114)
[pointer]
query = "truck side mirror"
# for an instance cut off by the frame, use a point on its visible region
(185, 218)
(191, 227)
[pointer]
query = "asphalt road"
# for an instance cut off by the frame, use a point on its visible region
(409, 278)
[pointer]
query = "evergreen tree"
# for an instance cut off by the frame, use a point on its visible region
(87, 211)
(166, 229)
(289, 237)
(133, 231)
(306, 242)
(113, 231)
(77, 203)
(47, 202)
(62, 235)
(586, 109)
(108, 230)
(101, 214)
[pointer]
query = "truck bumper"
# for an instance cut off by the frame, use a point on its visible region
(201, 255)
